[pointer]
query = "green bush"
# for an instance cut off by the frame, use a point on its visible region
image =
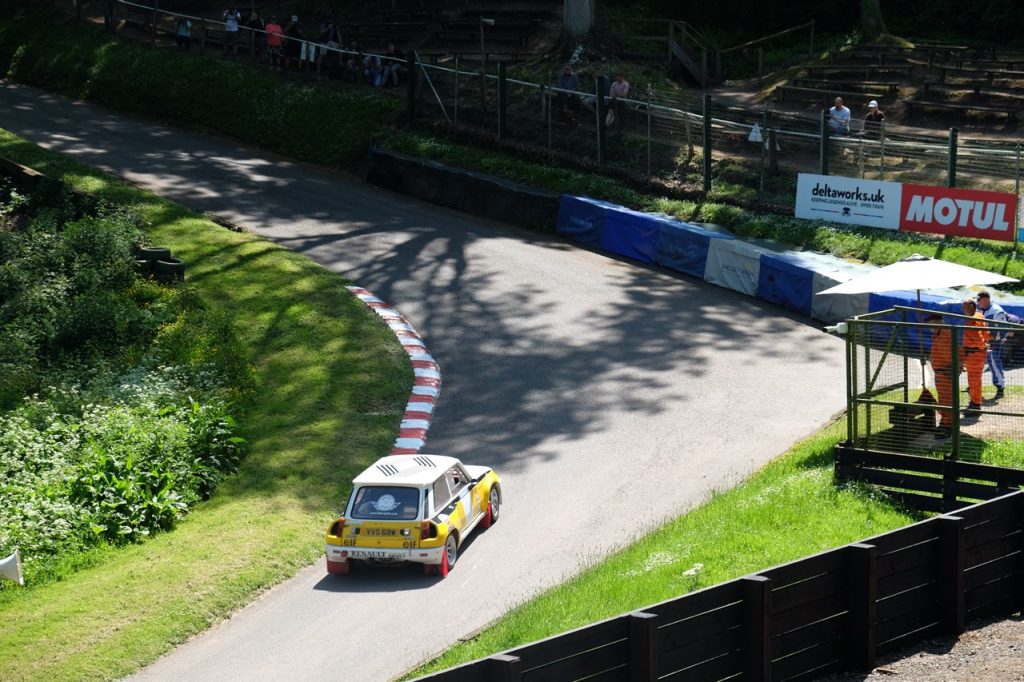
(119, 390)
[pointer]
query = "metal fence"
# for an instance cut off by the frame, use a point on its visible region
(757, 151)
(896, 396)
(685, 139)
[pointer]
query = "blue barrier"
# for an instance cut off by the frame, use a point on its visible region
(630, 234)
(583, 219)
(787, 280)
(684, 247)
(790, 279)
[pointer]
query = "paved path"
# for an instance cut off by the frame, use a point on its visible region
(609, 396)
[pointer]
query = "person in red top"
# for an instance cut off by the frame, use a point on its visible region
(973, 350)
(942, 366)
(275, 41)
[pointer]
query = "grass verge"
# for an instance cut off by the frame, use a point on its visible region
(329, 373)
(787, 510)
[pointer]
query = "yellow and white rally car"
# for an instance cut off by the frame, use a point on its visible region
(418, 508)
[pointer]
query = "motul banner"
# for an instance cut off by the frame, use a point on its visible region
(958, 212)
(914, 208)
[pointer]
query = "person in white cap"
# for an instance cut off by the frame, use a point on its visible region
(873, 119)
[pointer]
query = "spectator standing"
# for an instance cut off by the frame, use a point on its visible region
(994, 313)
(568, 101)
(275, 42)
(394, 64)
(973, 351)
(293, 44)
(330, 38)
(232, 19)
(942, 367)
(839, 118)
(183, 33)
(873, 119)
(256, 27)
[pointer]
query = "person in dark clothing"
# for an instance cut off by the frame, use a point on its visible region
(293, 44)
(394, 64)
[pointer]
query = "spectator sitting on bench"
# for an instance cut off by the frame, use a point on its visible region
(602, 85)
(568, 101)
(373, 72)
(394, 64)
(839, 118)
(873, 119)
(353, 61)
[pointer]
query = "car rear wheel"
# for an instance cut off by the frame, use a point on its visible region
(448, 559)
(493, 508)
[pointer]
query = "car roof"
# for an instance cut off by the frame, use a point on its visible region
(405, 470)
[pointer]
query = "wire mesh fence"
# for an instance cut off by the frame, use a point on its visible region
(912, 387)
(667, 136)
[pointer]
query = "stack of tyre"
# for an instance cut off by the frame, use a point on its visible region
(157, 262)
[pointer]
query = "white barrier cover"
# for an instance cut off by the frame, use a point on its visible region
(734, 264)
(837, 308)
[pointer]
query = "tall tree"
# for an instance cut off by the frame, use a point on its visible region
(872, 24)
(577, 19)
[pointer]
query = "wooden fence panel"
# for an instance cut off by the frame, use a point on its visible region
(913, 626)
(721, 668)
(818, 658)
(822, 631)
(825, 607)
(831, 611)
(583, 664)
(902, 538)
(584, 639)
(703, 647)
(696, 603)
(1002, 593)
(685, 632)
(809, 591)
(901, 479)
(783, 576)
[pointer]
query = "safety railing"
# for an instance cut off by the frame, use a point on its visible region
(652, 135)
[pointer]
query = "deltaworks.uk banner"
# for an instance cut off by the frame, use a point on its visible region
(914, 208)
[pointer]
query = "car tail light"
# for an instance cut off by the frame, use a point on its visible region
(338, 527)
(427, 530)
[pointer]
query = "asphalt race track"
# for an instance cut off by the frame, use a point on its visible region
(609, 396)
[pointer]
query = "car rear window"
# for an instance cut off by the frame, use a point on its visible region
(386, 503)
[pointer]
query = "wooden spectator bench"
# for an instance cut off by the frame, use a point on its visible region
(976, 87)
(990, 74)
(850, 86)
(824, 96)
(961, 108)
(867, 69)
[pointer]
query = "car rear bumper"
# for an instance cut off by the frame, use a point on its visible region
(428, 555)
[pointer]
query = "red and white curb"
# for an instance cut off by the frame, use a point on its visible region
(426, 388)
